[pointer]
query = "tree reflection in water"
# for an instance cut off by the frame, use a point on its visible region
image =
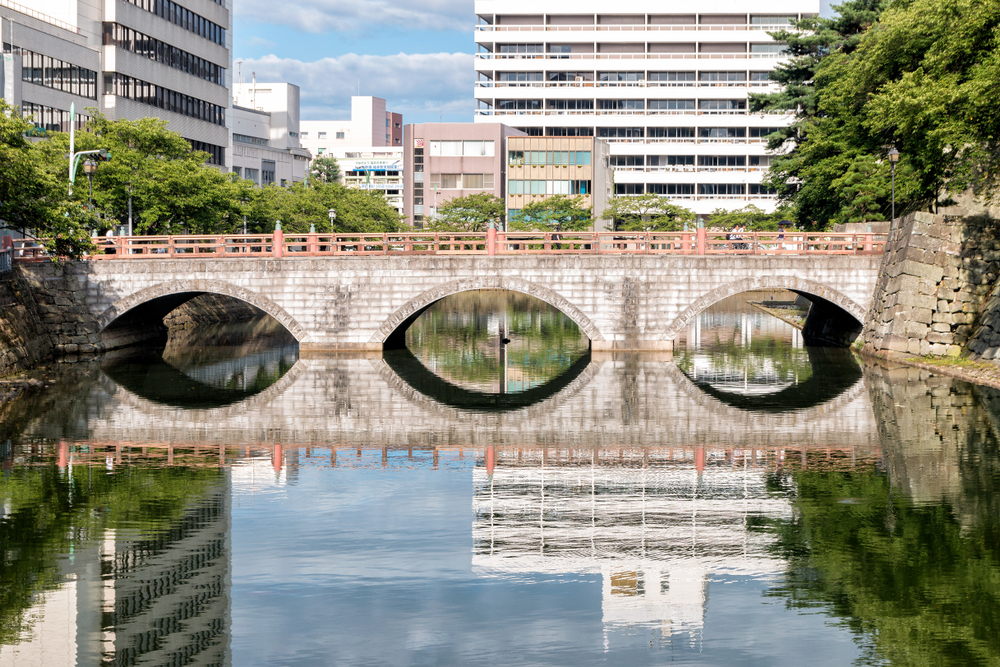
(496, 342)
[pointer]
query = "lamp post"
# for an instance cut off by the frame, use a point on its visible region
(89, 167)
(333, 216)
(893, 159)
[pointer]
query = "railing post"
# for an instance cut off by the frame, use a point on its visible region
(686, 243)
(868, 243)
(278, 240)
(385, 243)
(491, 239)
(313, 243)
(702, 241)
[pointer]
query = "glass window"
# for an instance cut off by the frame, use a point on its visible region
(340, 135)
(451, 181)
(671, 105)
(515, 158)
(472, 181)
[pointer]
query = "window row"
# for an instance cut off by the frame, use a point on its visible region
(583, 49)
(691, 189)
(688, 77)
(639, 19)
(169, 10)
(244, 139)
(216, 154)
(622, 105)
(537, 187)
(557, 158)
(462, 148)
(462, 182)
(49, 119)
(54, 73)
(131, 40)
(690, 160)
(157, 96)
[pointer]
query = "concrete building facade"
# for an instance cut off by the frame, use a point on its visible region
(540, 167)
(667, 87)
(448, 160)
(129, 59)
(370, 125)
(266, 146)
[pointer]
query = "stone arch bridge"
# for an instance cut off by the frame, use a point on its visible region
(622, 302)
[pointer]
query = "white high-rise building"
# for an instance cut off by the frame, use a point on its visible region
(666, 85)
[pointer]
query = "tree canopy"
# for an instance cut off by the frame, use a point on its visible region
(919, 76)
(647, 213)
(558, 213)
(325, 169)
(472, 213)
(751, 217)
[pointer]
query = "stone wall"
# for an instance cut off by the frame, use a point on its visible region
(23, 341)
(933, 293)
(985, 343)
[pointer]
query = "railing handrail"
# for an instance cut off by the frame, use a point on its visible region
(299, 245)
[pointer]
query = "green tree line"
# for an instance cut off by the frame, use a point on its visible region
(169, 188)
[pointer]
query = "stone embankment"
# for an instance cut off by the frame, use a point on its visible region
(937, 292)
(23, 337)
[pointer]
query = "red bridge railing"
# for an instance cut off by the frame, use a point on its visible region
(245, 246)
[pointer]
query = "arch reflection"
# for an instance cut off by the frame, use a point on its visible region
(751, 360)
(207, 366)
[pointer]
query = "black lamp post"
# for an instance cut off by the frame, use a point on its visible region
(89, 167)
(893, 159)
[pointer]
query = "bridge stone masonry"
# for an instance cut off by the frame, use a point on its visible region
(342, 303)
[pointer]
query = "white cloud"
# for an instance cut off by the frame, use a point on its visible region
(354, 15)
(423, 87)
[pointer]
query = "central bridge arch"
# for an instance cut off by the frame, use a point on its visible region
(391, 334)
(834, 318)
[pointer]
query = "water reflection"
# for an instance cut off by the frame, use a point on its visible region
(620, 516)
(495, 342)
(207, 365)
(751, 360)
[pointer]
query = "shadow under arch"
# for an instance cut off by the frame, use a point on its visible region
(392, 334)
(835, 374)
(411, 371)
(139, 316)
(145, 374)
(834, 318)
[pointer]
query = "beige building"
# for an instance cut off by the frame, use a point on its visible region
(266, 146)
(541, 167)
(448, 160)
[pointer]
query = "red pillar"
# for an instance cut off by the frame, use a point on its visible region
(702, 241)
(63, 455)
(276, 458)
(491, 240)
(491, 459)
(278, 242)
(699, 459)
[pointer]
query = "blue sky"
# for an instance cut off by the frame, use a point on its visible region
(418, 56)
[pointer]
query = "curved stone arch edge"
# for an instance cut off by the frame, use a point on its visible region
(148, 294)
(428, 297)
(791, 283)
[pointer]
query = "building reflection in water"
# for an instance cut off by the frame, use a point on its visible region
(657, 523)
(121, 596)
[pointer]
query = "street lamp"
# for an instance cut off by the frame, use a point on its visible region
(893, 159)
(89, 168)
(333, 216)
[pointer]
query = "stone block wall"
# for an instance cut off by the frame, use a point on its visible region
(985, 343)
(934, 288)
(23, 341)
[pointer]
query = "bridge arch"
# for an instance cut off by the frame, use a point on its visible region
(810, 289)
(153, 303)
(391, 332)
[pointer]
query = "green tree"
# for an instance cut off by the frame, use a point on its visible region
(472, 213)
(751, 217)
(919, 76)
(647, 213)
(558, 213)
(300, 206)
(325, 169)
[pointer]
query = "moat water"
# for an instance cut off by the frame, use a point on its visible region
(497, 494)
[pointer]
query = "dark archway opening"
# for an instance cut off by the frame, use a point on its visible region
(827, 324)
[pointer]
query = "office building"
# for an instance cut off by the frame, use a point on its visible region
(540, 167)
(667, 87)
(129, 59)
(266, 146)
(448, 160)
(370, 125)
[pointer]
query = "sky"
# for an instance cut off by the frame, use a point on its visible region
(418, 56)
